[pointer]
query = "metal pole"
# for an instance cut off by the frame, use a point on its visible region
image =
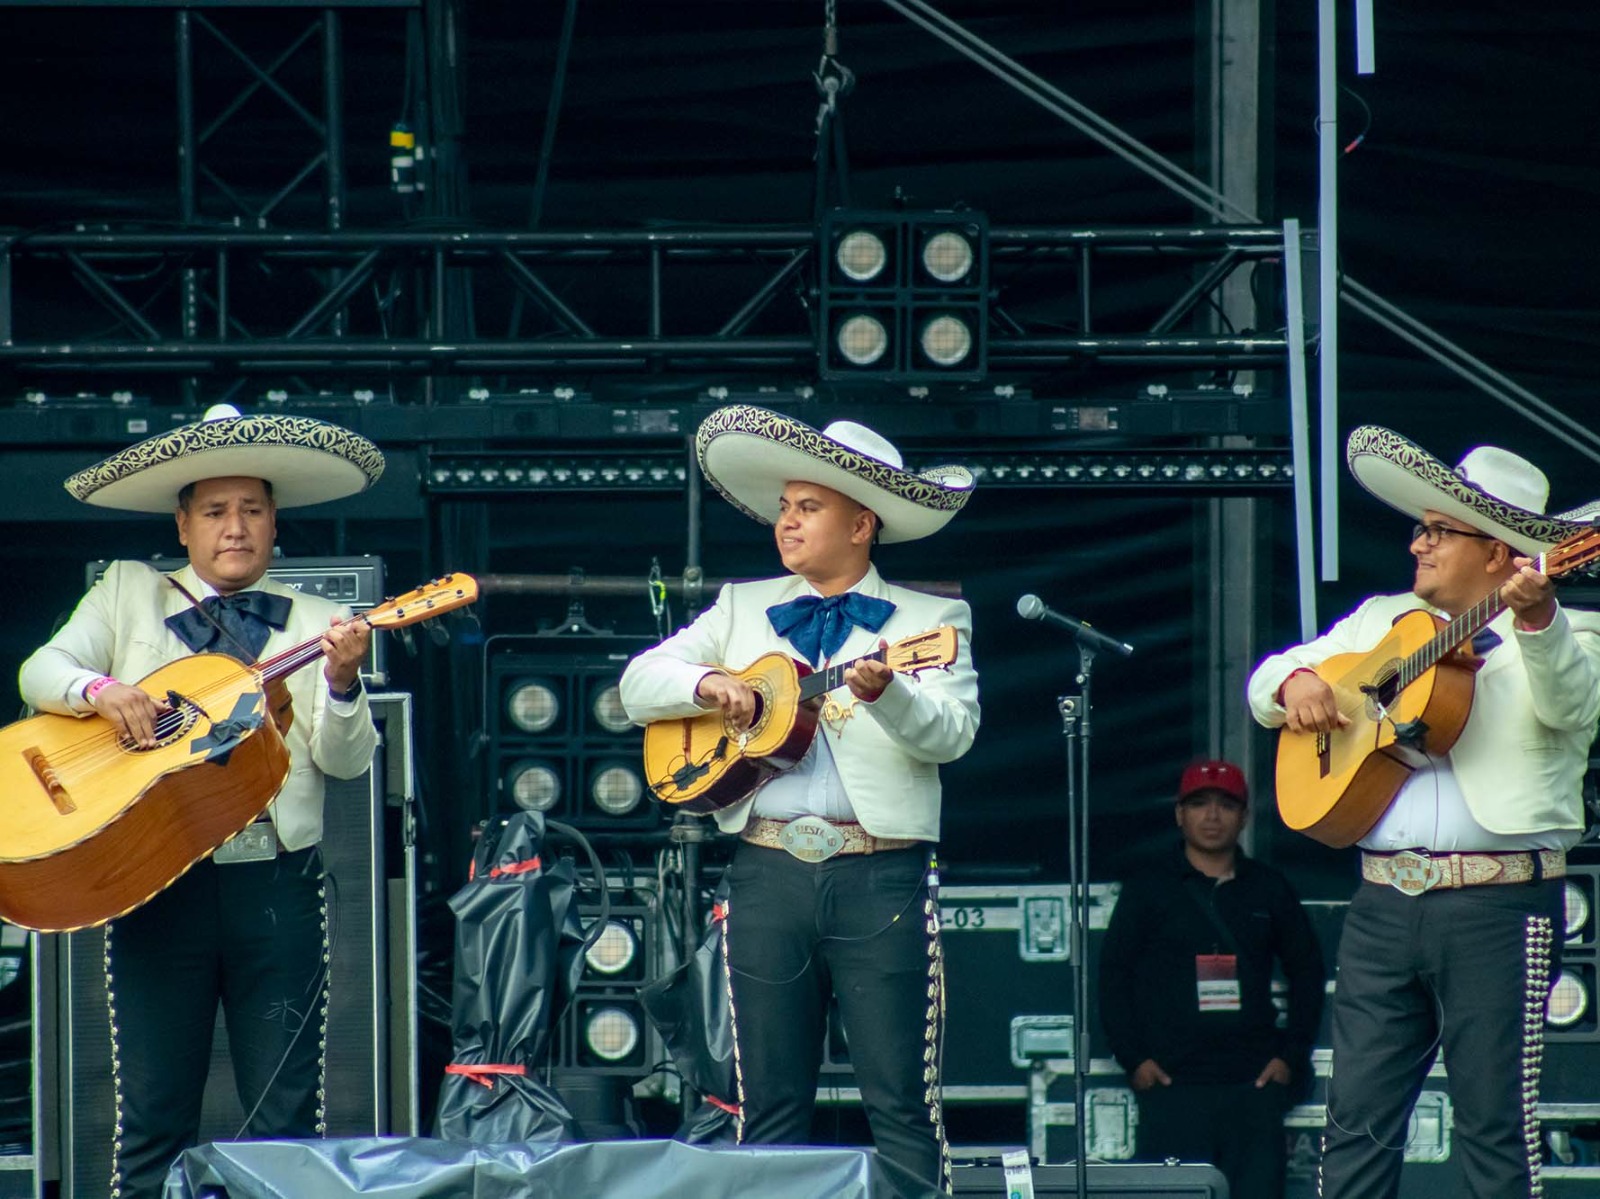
(188, 198)
(333, 142)
(1299, 429)
(1328, 282)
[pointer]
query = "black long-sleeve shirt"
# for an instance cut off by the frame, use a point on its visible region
(1148, 1001)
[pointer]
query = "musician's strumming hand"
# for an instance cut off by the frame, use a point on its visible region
(344, 646)
(132, 711)
(734, 696)
(1309, 705)
(1530, 595)
(867, 679)
(1148, 1074)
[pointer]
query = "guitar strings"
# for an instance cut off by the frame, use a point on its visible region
(106, 745)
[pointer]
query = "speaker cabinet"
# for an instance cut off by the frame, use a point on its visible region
(371, 1075)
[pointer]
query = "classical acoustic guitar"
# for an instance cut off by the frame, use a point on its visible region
(703, 763)
(93, 825)
(1407, 699)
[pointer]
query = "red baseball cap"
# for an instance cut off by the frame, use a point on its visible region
(1213, 776)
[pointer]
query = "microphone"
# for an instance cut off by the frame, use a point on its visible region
(1031, 607)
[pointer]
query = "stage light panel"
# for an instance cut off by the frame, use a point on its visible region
(862, 339)
(945, 340)
(533, 705)
(616, 789)
(611, 1032)
(1569, 1000)
(1578, 907)
(861, 255)
(533, 786)
(614, 951)
(608, 711)
(948, 256)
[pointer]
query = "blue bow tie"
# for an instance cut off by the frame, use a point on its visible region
(817, 627)
(247, 619)
(1484, 640)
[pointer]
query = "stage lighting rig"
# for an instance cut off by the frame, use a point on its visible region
(904, 295)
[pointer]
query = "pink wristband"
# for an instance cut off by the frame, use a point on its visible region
(96, 687)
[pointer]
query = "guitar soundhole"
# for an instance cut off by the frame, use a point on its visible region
(763, 700)
(1382, 690)
(170, 727)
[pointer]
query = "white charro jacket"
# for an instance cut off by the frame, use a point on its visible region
(1521, 757)
(117, 629)
(888, 752)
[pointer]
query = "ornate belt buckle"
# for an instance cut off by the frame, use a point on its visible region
(1412, 873)
(811, 839)
(257, 842)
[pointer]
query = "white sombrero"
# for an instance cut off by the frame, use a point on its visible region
(307, 462)
(750, 453)
(1492, 489)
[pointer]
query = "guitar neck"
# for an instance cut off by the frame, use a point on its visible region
(824, 681)
(290, 660)
(1463, 629)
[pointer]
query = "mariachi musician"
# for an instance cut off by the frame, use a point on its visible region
(247, 927)
(1452, 939)
(830, 883)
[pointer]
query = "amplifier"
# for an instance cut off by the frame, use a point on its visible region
(354, 581)
(1008, 978)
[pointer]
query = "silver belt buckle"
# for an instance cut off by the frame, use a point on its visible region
(811, 839)
(257, 842)
(1412, 873)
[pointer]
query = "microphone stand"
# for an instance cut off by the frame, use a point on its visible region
(1076, 730)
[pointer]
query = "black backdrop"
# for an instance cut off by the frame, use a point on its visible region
(1470, 201)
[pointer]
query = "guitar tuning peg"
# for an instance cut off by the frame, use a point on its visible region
(437, 633)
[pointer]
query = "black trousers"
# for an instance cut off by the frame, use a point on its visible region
(1237, 1127)
(857, 927)
(250, 935)
(1467, 970)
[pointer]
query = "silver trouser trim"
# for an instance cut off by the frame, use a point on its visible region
(1538, 934)
(326, 990)
(933, 1040)
(116, 1071)
(733, 1026)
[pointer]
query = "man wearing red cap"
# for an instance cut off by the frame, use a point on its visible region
(1186, 992)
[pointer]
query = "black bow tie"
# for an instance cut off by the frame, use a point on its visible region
(240, 623)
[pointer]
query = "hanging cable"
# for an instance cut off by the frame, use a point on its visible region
(834, 81)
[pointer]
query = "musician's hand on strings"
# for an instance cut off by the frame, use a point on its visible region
(867, 679)
(132, 711)
(1530, 595)
(1148, 1074)
(734, 696)
(1309, 705)
(344, 646)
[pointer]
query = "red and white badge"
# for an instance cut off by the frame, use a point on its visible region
(1216, 981)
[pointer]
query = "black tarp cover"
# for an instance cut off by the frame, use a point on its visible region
(512, 972)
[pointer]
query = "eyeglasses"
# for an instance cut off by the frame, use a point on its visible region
(1432, 534)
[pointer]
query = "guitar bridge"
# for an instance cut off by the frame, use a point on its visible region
(49, 780)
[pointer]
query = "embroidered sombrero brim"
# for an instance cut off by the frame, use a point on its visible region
(307, 462)
(749, 454)
(1408, 478)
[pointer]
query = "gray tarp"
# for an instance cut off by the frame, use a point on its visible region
(413, 1168)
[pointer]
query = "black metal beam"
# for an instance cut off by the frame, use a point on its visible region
(451, 261)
